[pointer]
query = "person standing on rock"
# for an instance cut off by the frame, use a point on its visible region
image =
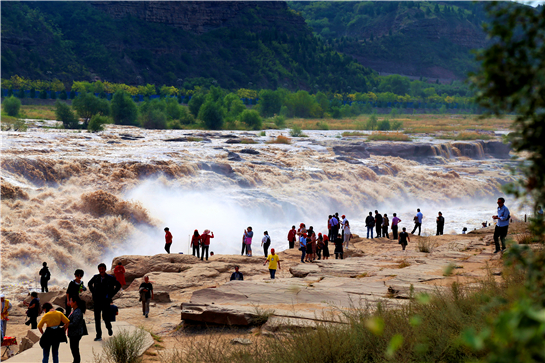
(74, 288)
(502, 225)
(274, 263)
(319, 245)
(205, 242)
(45, 276)
(33, 310)
(266, 243)
(339, 247)
(346, 233)
(329, 226)
(292, 235)
(343, 223)
(146, 295)
(248, 235)
(54, 333)
(418, 221)
(385, 225)
(77, 328)
(103, 287)
(440, 224)
(395, 225)
(403, 238)
(237, 275)
(119, 273)
(168, 240)
(325, 249)
(303, 246)
(196, 242)
(378, 223)
(370, 224)
(6, 308)
(334, 226)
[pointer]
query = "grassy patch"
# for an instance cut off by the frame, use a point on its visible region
(388, 136)
(353, 133)
(46, 112)
(280, 140)
(465, 135)
(123, 347)
(425, 244)
(248, 141)
(403, 264)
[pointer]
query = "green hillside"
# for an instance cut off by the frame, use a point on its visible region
(420, 39)
(81, 41)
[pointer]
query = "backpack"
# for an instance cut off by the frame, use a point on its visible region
(47, 275)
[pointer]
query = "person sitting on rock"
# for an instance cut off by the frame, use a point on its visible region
(237, 275)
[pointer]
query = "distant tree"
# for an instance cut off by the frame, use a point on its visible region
(88, 105)
(64, 113)
(196, 102)
(233, 106)
(252, 119)
(97, 123)
(154, 119)
(395, 84)
(12, 106)
(124, 110)
(372, 122)
(212, 113)
(269, 103)
(63, 95)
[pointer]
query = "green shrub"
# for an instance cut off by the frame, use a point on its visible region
(397, 125)
(252, 119)
(97, 123)
(384, 125)
(124, 110)
(296, 131)
(186, 118)
(64, 113)
(263, 133)
(280, 121)
(211, 113)
(372, 122)
(154, 119)
(174, 125)
(87, 105)
(123, 347)
(11, 106)
(322, 125)
(195, 103)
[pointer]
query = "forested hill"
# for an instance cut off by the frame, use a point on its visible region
(414, 38)
(231, 44)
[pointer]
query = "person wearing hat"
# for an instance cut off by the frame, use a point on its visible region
(205, 242)
(6, 307)
(344, 221)
(274, 263)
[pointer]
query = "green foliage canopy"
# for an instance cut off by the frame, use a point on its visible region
(124, 110)
(12, 106)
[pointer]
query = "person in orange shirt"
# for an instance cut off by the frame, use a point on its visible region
(205, 242)
(168, 240)
(119, 272)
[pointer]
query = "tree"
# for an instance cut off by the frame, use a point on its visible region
(252, 119)
(12, 106)
(395, 84)
(65, 114)
(124, 111)
(195, 103)
(88, 105)
(154, 119)
(233, 106)
(269, 103)
(97, 123)
(211, 113)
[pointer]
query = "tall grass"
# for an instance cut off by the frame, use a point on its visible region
(388, 136)
(466, 135)
(426, 329)
(123, 347)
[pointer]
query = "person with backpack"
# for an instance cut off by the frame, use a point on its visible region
(265, 243)
(103, 287)
(45, 276)
(34, 310)
(370, 224)
(403, 238)
(75, 287)
(440, 224)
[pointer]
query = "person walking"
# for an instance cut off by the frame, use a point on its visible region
(77, 328)
(378, 223)
(385, 225)
(502, 225)
(45, 276)
(292, 235)
(417, 221)
(370, 224)
(196, 242)
(303, 246)
(266, 243)
(395, 225)
(168, 240)
(274, 263)
(103, 287)
(339, 247)
(55, 333)
(33, 310)
(119, 273)
(403, 238)
(346, 233)
(440, 224)
(75, 287)
(205, 242)
(146, 295)
(6, 308)
(237, 275)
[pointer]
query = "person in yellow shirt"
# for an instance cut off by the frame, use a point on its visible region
(274, 263)
(54, 334)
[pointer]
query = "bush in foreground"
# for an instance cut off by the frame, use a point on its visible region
(97, 123)
(123, 347)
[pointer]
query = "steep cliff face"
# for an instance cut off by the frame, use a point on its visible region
(200, 16)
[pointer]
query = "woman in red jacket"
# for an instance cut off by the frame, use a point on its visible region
(196, 242)
(168, 240)
(292, 236)
(205, 242)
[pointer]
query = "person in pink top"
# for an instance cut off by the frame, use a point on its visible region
(395, 222)
(205, 242)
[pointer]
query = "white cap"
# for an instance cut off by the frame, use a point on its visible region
(2, 295)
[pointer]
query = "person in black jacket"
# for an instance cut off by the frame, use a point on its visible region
(378, 223)
(440, 224)
(370, 224)
(103, 287)
(45, 276)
